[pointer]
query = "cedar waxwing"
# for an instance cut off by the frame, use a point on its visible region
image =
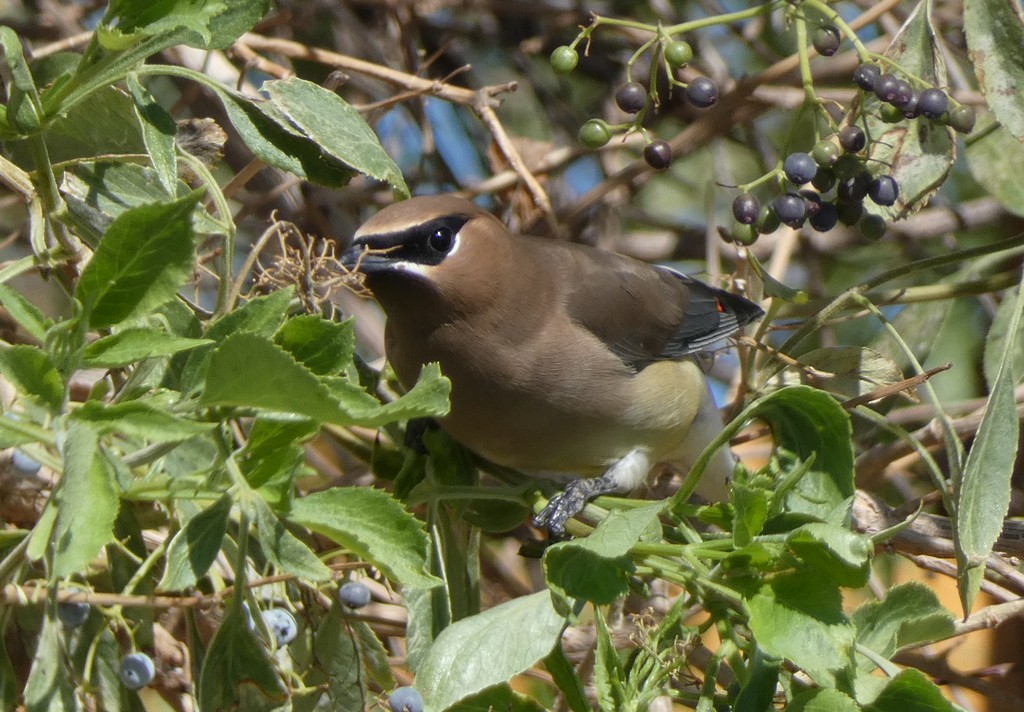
(562, 357)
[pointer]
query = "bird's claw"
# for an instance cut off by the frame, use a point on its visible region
(567, 504)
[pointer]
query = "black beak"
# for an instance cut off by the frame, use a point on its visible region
(358, 258)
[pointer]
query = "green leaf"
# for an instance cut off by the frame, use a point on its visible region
(823, 700)
(49, 688)
(337, 653)
(212, 24)
(810, 423)
(283, 549)
(131, 345)
(909, 614)
(994, 37)
(428, 398)
(158, 132)
(141, 262)
(598, 567)
(273, 455)
(238, 672)
(835, 551)
(488, 649)
(911, 691)
(750, 512)
(324, 347)
(346, 137)
(919, 153)
(799, 617)
(609, 674)
(568, 682)
(33, 374)
(87, 503)
(849, 371)
(995, 156)
(10, 685)
(983, 492)
(27, 314)
(195, 547)
(139, 419)
(374, 526)
(274, 142)
(995, 343)
(24, 111)
(499, 697)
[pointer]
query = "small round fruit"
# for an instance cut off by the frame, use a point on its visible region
(912, 108)
(23, 464)
(825, 153)
(281, 624)
(595, 133)
(746, 208)
(826, 218)
(564, 59)
(826, 40)
(678, 53)
(73, 613)
(702, 92)
(658, 155)
(354, 594)
(791, 209)
(812, 201)
(884, 190)
(962, 119)
(405, 699)
(799, 168)
(872, 227)
(852, 139)
(850, 213)
(890, 114)
(631, 97)
(137, 671)
(886, 87)
(768, 221)
(866, 75)
(848, 166)
(824, 180)
(854, 189)
(904, 94)
(932, 103)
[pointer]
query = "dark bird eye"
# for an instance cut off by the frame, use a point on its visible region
(442, 239)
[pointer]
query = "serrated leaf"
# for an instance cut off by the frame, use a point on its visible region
(909, 614)
(195, 547)
(849, 371)
(283, 549)
(139, 419)
(834, 551)
(994, 37)
(799, 617)
(488, 649)
(238, 668)
(87, 503)
(27, 314)
(597, 568)
(983, 491)
(212, 24)
(823, 700)
(158, 131)
(33, 374)
(374, 526)
(142, 260)
(131, 345)
(324, 347)
(346, 137)
(919, 153)
(911, 691)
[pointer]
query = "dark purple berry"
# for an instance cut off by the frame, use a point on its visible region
(886, 88)
(631, 97)
(852, 139)
(791, 209)
(799, 168)
(73, 613)
(884, 190)
(962, 119)
(866, 75)
(933, 103)
(912, 108)
(824, 179)
(873, 227)
(658, 155)
(768, 221)
(850, 213)
(826, 218)
(826, 40)
(702, 92)
(854, 189)
(354, 594)
(904, 94)
(746, 208)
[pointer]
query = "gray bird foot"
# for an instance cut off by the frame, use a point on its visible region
(567, 504)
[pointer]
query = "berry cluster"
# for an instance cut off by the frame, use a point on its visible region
(902, 101)
(634, 99)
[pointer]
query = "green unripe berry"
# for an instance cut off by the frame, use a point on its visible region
(768, 221)
(872, 227)
(825, 153)
(962, 119)
(890, 114)
(595, 133)
(677, 53)
(564, 59)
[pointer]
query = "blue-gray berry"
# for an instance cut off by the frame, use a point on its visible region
(137, 671)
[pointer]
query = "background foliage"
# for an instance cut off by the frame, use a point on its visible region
(187, 406)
